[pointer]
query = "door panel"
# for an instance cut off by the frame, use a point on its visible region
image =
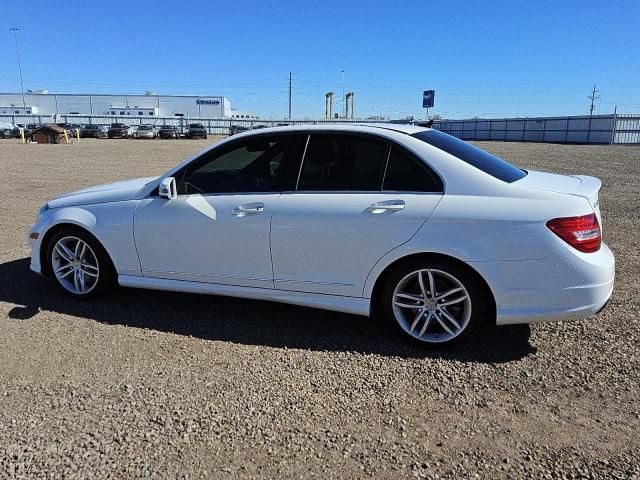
(327, 242)
(207, 238)
(217, 229)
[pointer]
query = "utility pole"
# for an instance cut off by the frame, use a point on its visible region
(593, 97)
(15, 31)
(344, 107)
(289, 95)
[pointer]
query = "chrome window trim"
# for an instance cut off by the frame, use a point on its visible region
(304, 154)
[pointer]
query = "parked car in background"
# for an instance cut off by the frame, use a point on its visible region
(168, 131)
(196, 130)
(420, 228)
(145, 131)
(92, 131)
(118, 130)
(235, 129)
(8, 130)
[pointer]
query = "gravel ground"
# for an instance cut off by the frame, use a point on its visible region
(146, 384)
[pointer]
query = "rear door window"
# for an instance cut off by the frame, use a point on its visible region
(339, 162)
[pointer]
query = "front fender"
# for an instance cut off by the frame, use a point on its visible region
(111, 224)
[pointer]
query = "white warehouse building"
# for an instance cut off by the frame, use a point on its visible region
(148, 105)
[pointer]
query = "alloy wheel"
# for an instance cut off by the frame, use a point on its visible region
(431, 305)
(75, 265)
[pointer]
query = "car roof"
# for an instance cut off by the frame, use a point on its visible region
(342, 127)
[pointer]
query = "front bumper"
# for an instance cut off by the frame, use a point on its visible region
(35, 244)
(567, 285)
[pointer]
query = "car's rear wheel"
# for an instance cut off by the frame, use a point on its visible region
(79, 264)
(435, 304)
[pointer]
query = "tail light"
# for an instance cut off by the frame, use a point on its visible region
(582, 233)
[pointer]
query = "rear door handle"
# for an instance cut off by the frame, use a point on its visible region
(386, 206)
(248, 209)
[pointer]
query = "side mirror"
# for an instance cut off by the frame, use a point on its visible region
(168, 188)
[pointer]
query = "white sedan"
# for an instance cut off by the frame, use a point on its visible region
(145, 131)
(406, 222)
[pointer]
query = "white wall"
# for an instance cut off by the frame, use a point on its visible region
(164, 105)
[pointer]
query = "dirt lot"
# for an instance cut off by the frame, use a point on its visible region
(175, 385)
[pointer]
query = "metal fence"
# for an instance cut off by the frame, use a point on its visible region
(214, 126)
(596, 129)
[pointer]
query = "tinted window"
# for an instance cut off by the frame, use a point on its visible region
(343, 162)
(253, 165)
(494, 166)
(407, 174)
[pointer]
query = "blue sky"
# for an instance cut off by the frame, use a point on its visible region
(483, 58)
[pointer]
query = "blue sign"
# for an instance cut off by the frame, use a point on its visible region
(428, 96)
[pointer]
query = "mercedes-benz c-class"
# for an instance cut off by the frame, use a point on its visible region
(406, 222)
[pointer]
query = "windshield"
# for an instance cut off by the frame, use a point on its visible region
(488, 163)
(144, 127)
(90, 127)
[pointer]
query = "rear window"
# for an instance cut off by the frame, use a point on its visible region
(488, 163)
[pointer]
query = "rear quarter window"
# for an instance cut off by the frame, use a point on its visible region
(482, 160)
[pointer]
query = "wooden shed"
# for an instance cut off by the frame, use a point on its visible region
(48, 134)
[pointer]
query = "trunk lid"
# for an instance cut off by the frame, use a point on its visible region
(577, 185)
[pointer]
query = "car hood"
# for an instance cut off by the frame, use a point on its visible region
(111, 192)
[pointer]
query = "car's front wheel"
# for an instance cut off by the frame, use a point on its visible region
(435, 303)
(79, 264)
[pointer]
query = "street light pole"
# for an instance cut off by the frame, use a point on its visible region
(15, 36)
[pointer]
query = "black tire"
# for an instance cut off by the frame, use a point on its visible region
(106, 278)
(441, 270)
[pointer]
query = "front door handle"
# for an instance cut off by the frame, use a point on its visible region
(386, 206)
(248, 209)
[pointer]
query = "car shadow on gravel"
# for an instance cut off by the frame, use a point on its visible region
(248, 322)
